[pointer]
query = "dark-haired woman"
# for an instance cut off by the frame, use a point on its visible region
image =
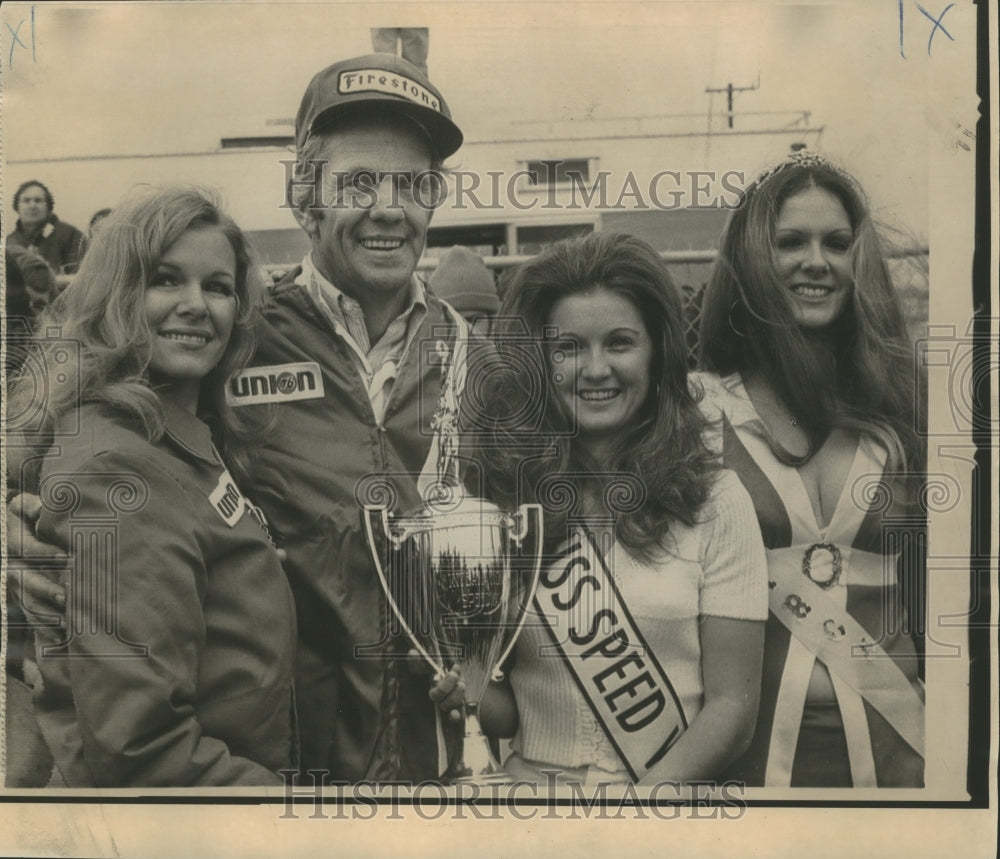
(641, 663)
(811, 374)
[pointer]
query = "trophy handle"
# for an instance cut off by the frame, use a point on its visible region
(381, 515)
(521, 518)
(523, 514)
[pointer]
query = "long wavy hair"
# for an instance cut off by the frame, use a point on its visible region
(660, 471)
(860, 375)
(103, 312)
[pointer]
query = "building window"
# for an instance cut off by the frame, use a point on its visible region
(558, 171)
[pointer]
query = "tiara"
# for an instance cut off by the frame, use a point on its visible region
(797, 158)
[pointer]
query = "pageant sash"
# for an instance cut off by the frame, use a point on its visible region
(627, 689)
(810, 611)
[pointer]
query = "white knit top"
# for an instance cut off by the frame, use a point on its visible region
(717, 567)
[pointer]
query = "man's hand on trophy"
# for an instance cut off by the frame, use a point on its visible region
(32, 562)
(448, 692)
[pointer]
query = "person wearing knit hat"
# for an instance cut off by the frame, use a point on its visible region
(463, 280)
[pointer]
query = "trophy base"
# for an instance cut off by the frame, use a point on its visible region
(483, 779)
(478, 766)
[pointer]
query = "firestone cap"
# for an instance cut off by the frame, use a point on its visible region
(377, 83)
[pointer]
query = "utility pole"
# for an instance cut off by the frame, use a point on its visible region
(729, 89)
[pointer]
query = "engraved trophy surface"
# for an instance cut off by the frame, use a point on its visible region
(459, 576)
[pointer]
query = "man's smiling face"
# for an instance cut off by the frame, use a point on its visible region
(368, 237)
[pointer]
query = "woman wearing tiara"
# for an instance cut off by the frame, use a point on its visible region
(811, 376)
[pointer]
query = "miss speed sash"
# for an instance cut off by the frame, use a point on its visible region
(627, 689)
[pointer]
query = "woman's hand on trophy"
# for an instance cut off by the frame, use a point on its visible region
(448, 692)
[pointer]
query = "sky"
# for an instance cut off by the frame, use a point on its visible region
(124, 78)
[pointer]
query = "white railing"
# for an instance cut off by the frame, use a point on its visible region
(693, 257)
(499, 263)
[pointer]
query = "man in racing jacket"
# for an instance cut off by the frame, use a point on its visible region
(345, 339)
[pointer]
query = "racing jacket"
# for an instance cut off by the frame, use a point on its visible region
(363, 713)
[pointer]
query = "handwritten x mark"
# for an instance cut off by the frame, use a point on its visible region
(16, 41)
(937, 24)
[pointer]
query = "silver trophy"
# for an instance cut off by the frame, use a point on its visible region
(459, 576)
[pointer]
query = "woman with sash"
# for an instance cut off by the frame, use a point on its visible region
(812, 380)
(641, 659)
(174, 668)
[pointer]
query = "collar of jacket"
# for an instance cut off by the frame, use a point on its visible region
(37, 232)
(188, 432)
(288, 290)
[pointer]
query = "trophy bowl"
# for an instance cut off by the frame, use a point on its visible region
(460, 577)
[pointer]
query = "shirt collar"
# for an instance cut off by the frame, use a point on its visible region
(337, 300)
